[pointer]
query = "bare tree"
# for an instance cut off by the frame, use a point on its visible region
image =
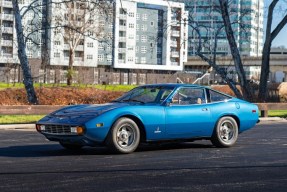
(269, 37)
(28, 81)
(205, 40)
(79, 20)
(234, 50)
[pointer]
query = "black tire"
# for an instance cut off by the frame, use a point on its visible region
(225, 133)
(124, 136)
(71, 146)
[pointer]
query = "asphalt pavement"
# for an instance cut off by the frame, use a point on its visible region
(258, 162)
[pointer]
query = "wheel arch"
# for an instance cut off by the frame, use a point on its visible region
(233, 116)
(139, 124)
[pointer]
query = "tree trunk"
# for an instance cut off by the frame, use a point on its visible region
(270, 36)
(70, 68)
(235, 52)
(28, 81)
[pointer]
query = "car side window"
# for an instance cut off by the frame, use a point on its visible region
(217, 97)
(189, 96)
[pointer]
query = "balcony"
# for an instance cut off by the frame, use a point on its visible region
(173, 44)
(173, 63)
(80, 48)
(7, 43)
(123, 16)
(6, 3)
(122, 39)
(121, 61)
(123, 28)
(7, 30)
(7, 17)
(174, 54)
(122, 50)
(175, 33)
(66, 47)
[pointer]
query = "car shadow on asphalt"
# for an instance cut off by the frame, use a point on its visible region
(56, 150)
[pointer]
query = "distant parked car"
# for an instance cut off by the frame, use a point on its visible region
(150, 113)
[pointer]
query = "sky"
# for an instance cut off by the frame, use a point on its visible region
(280, 11)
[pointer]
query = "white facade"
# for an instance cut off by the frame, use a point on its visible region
(130, 21)
(86, 51)
(123, 38)
(8, 45)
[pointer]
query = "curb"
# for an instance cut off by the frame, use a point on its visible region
(18, 126)
(272, 119)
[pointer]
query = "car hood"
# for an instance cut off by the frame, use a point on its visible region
(78, 114)
(92, 110)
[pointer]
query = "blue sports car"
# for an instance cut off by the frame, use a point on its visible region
(150, 113)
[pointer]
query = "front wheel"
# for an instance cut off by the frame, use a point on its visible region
(124, 136)
(225, 133)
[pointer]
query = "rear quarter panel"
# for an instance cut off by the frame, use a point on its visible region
(242, 110)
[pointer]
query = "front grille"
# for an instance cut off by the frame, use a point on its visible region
(58, 129)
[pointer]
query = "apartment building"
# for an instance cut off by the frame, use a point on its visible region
(140, 37)
(247, 16)
(121, 41)
(8, 47)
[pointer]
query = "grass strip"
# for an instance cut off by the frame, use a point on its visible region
(19, 119)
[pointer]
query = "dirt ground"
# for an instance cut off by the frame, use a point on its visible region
(59, 96)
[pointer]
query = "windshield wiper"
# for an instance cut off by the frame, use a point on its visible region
(134, 100)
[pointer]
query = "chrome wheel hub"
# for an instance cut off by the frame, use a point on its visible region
(125, 136)
(226, 131)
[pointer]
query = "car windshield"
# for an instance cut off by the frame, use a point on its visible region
(147, 94)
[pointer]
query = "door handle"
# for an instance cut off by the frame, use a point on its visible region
(204, 109)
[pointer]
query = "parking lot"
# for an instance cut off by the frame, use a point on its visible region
(258, 162)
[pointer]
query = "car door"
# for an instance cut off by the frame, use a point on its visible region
(188, 114)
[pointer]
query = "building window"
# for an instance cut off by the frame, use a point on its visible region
(143, 49)
(57, 43)
(90, 44)
(144, 17)
(152, 23)
(101, 47)
(138, 16)
(137, 60)
(131, 25)
(143, 38)
(138, 27)
(100, 57)
(144, 27)
(131, 14)
(143, 60)
(130, 59)
(137, 38)
(109, 58)
(89, 56)
(137, 49)
(56, 54)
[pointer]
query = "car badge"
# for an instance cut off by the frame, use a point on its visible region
(157, 130)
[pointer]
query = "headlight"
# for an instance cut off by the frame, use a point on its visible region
(40, 128)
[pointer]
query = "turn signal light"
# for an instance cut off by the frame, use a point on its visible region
(253, 111)
(79, 130)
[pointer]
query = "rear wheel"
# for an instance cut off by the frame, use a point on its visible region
(226, 132)
(71, 146)
(124, 136)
